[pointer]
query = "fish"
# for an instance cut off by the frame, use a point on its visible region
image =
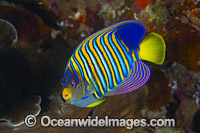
(110, 62)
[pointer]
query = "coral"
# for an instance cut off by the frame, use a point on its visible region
(196, 121)
(49, 31)
(185, 113)
(14, 69)
(8, 34)
(183, 37)
(142, 4)
(31, 31)
(185, 86)
(178, 75)
(159, 92)
(29, 106)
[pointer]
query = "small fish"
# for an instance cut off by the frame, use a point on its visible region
(109, 63)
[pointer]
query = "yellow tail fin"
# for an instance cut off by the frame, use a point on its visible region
(153, 48)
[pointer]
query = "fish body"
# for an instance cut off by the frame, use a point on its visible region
(109, 63)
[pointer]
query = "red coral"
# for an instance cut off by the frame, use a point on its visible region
(142, 3)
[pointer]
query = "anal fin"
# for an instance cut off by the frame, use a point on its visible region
(138, 76)
(96, 103)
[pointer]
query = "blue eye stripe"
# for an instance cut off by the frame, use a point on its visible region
(75, 73)
(80, 70)
(65, 82)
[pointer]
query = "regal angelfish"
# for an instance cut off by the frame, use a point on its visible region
(109, 62)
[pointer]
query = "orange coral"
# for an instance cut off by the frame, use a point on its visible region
(142, 3)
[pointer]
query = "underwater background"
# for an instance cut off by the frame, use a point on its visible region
(37, 37)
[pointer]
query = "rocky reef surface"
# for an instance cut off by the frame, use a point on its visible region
(37, 37)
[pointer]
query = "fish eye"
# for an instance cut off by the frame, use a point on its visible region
(66, 94)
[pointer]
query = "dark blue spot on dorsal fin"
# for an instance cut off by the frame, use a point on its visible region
(131, 33)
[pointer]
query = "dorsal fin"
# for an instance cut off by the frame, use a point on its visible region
(138, 76)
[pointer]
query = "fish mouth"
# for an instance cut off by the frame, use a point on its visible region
(63, 98)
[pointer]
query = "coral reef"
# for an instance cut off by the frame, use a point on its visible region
(16, 116)
(37, 37)
(184, 24)
(8, 34)
(160, 94)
